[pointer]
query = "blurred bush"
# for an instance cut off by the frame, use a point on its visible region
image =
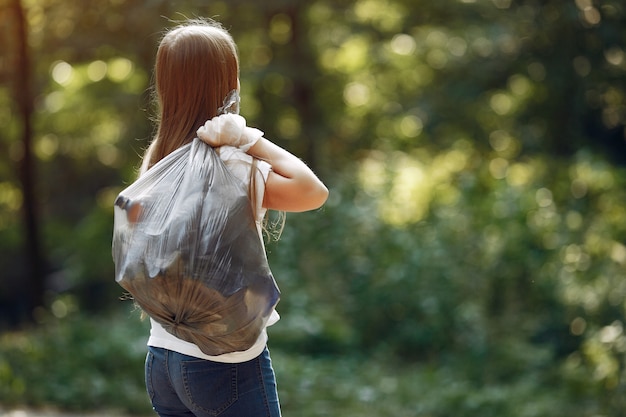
(77, 362)
(499, 293)
(503, 272)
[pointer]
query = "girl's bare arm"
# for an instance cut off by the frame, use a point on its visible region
(291, 185)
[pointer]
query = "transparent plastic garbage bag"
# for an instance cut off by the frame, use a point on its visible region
(186, 247)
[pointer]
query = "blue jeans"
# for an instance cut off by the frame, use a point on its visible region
(181, 385)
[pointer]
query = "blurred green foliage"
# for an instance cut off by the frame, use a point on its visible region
(76, 364)
(83, 363)
(470, 259)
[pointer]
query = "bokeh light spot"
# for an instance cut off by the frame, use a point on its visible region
(501, 103)
(457, 46)
(47, 146)
(543, 196)
(62, 72)
(498, 168)
(280, 29)
(403, 44)
(10, 196)
(578, 326)
(411, 126)
(120, 69)
(96, 70)
(356, 94)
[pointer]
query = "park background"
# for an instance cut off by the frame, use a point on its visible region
(469, 261)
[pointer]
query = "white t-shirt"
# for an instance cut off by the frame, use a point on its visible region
(239, 163)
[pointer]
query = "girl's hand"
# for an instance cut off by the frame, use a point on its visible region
(229, 129)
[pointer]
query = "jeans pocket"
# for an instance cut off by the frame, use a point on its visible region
(211, 387)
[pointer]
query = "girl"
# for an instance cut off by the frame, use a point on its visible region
(196, 68)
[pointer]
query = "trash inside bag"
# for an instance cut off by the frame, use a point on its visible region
(186, 247)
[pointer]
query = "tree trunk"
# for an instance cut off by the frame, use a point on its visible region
(23, 96)
(303, 61)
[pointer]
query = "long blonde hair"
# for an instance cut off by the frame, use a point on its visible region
(196, 67)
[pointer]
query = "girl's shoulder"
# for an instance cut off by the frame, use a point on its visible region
(232, 154)
(240, 162)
